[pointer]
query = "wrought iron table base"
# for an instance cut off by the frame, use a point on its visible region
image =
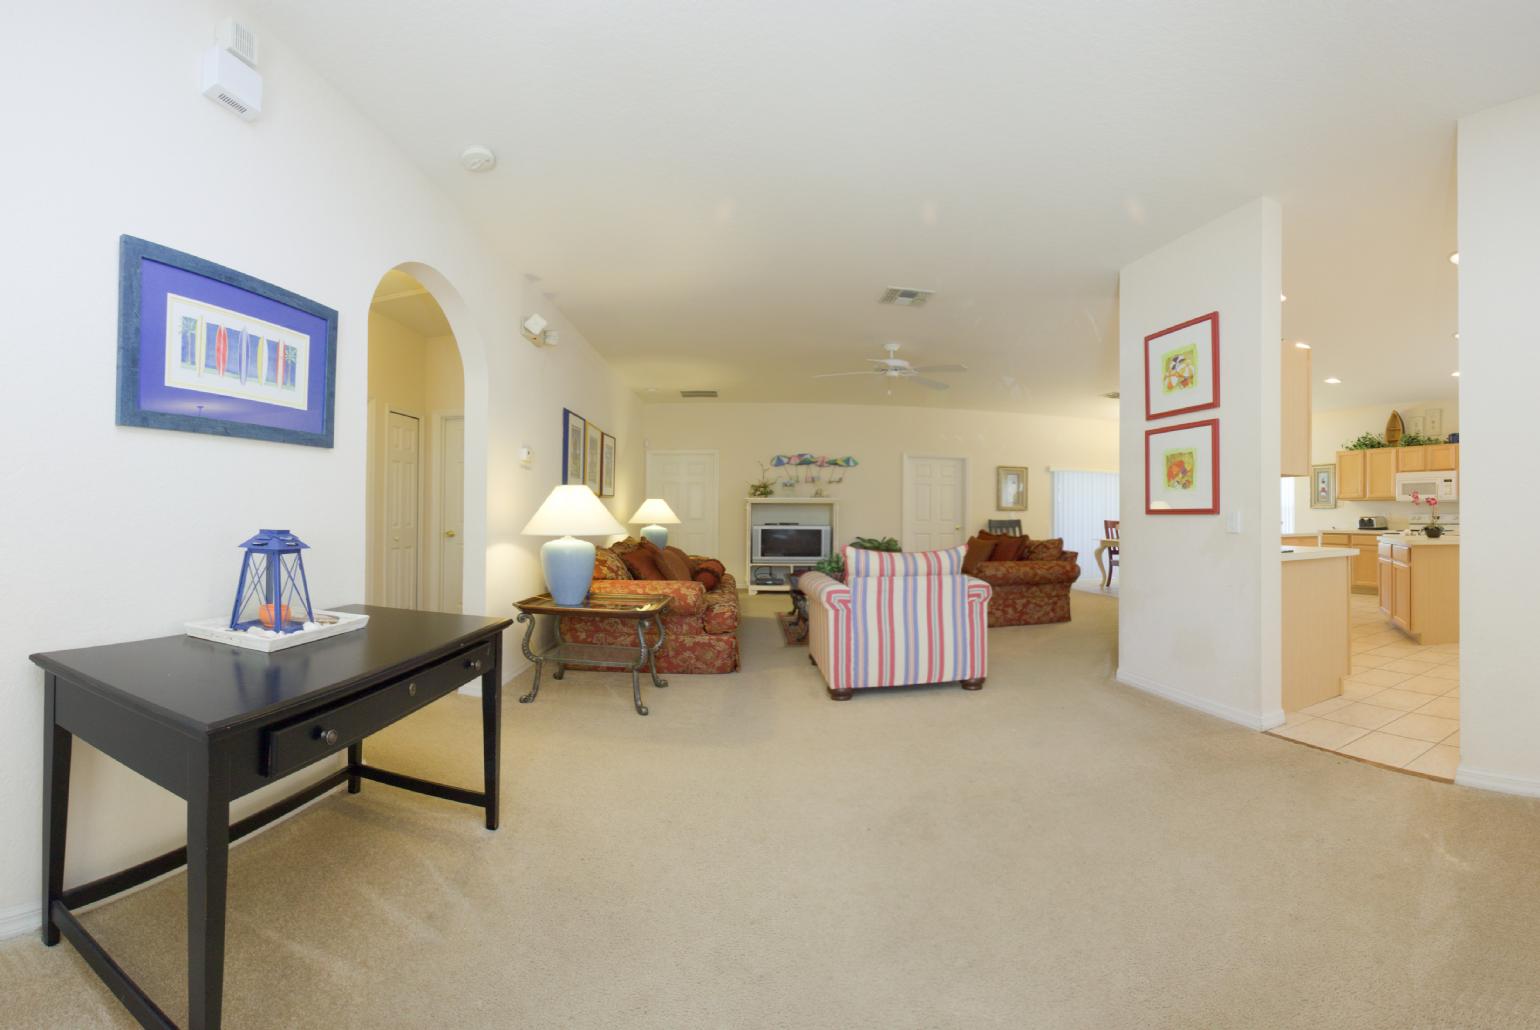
(604, 656)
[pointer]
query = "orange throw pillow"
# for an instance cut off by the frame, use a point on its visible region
(641, 564)
(979, 550)
(707, 579)
(608, 565)
(1008, 548)
(673, 563)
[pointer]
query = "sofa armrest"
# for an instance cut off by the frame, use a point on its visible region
(825, 590)
(689, 597)
(1073, 556)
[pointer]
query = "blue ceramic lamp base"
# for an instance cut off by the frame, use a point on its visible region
(657, 534)
(568, 564)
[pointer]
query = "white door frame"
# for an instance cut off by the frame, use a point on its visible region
(716, 461)
(906, 481)
(383, 538)
(436, 558)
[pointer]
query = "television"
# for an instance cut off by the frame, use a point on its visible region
(790, 543)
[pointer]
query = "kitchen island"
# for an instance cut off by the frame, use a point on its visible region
(1419, 585)
(1317, 623)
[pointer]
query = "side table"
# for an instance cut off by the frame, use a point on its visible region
(644, 610)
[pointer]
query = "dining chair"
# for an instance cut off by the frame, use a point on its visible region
(1110, 532)
(1010, 527)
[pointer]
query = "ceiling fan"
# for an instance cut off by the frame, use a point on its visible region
(895, 367)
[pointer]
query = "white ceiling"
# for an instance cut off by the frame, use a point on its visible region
(717, 193)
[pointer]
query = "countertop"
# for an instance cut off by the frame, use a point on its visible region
(1418, 540)
(1311, 553)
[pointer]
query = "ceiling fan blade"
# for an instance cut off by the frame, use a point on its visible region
(929, 384)
(828, 375)
(941, 368)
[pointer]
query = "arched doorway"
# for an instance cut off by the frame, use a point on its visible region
(415, 510)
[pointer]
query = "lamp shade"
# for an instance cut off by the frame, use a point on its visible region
(573, 510)
(656, 510)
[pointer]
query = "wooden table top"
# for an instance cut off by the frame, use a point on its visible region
(615, 606)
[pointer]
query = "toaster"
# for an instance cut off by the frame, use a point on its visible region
(1372, 522)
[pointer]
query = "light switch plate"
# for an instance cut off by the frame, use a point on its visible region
(1233, 522)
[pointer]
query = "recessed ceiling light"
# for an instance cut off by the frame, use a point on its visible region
(1455, 373)
(1333, 380)
(1282, 297)
(1454, 259)
(1456, 336)
(1301, 344)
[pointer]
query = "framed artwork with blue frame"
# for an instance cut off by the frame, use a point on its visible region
(205, 349)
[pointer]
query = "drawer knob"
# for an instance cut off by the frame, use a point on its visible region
(474, 664)
(326, 736)
(411, 690)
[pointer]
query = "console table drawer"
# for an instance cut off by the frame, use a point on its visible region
(296, 744)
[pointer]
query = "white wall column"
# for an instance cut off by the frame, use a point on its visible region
(1499, 166)
(1199, 601)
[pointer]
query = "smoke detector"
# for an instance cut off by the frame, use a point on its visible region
(477, 158)
(905, 297)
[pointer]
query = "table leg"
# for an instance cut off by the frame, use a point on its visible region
(534, 659)
(57, 746)
(492, 732)
(652, 655)
(1101, 563)
(355, 759)
(636, 668)
(208, 860)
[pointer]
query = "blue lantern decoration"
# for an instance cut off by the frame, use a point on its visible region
(272, 587)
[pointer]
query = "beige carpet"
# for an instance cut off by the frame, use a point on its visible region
(1053, 851)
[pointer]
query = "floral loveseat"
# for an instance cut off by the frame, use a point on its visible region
(700, 627)
(1031, 581)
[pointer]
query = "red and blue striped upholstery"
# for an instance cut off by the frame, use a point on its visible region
(903, 618)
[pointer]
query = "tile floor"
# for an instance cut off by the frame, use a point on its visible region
(1400, 707)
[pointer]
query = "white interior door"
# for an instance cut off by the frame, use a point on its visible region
(451, 493)
(934, 503)
(687, 480)
(403, 460)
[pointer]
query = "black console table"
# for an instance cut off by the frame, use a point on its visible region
(211, 723)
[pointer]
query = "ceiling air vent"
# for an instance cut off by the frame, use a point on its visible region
(1114, 395)
(697, 393)
(905, 298)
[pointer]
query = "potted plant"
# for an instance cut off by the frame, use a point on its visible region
(1432, 530)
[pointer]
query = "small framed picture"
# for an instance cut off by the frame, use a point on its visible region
(1323, 486)
(1181, 368)
(1010, 488)
(1181, 469)
(607, 466)
(574, 432)
(592, 445)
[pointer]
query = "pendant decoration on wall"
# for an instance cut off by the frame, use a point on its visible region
(814, 471)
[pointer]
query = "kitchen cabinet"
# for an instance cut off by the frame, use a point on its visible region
(1380, 474)
(1294, 411)
(1438, 457)
(1419, 584)
(1350, 475)
(1365, 569)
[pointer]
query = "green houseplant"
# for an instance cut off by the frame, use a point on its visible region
(834, 565)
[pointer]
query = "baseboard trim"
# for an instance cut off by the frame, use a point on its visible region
(1250, 720)
(23, 919)
(1465, 776)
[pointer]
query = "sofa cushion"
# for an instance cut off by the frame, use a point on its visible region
(671, 561)
(978, 552)
(642, 564)
(707, 579)
(1044, 550)
(1028, 573)
(864, 564)
(608, 565)
(1008, 548)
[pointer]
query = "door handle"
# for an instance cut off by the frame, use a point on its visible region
(449, 532)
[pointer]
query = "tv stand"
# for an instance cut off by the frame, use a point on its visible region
(774, 577)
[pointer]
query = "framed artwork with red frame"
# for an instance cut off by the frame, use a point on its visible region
(1181, 469)
(1181, 368)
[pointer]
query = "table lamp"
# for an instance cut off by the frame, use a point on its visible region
(655, 510)
(571, 511)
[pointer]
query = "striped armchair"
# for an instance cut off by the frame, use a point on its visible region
(899, 619)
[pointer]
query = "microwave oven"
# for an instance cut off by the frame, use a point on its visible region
(1443, 485)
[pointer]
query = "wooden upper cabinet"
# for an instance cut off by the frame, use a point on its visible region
(1412, 459)
(1442, 457)
(1295, 411)
(1350, 475)
(1379, 474)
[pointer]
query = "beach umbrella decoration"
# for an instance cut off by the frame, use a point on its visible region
(805, 467)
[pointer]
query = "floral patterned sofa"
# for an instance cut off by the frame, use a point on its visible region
(1031, 587)
(700, 627)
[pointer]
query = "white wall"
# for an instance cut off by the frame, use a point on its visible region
(118, 533)
(1199, 606)
(878, 436)
(1329, 430)
(1499, 166)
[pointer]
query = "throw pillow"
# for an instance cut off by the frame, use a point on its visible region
(608, 565)
(979, 550)
(1008, 548)
(707, 579)
(671, 561)
(712, 566)
(642, 565)
(1045, 550)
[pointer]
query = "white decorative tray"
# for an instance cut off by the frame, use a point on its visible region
(219, 631)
